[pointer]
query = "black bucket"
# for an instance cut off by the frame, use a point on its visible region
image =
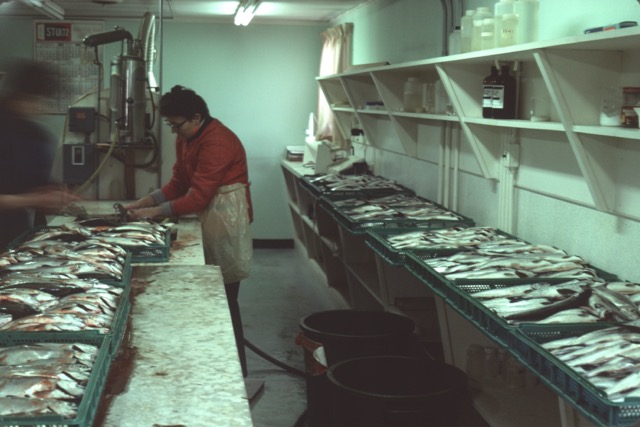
(345, 334)
(385, 391)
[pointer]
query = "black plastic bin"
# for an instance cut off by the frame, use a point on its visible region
(386, 391)
(346, 334)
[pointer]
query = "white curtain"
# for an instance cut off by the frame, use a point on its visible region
(336, 57)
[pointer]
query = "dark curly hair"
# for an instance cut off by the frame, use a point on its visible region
(184, 102)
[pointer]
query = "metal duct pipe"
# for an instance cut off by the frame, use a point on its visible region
(109, 37)
(147, 37)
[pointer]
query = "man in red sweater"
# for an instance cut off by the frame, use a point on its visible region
(210, 178)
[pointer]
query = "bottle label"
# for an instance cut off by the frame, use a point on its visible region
(498, 97)
(487, 96)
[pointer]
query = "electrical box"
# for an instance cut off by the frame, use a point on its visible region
(79, 162)
(82, 119)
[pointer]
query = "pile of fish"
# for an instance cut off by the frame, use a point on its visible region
(575, 301)
(32, 302)
(394, 207)
(55, 281)
(44, 379)
(511, 259)
(608, 358)
(333, 183)
(47, 254)
(445, 238)
(132, 234)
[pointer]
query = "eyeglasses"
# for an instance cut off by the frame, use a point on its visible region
(175, 126)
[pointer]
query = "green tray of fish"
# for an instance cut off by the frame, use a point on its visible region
(115, 334)
(396, 218)
(88, 406)
(460, 295)
(448, 289)
(378, 240)
(569, 384)
(151, 253)
(381, 186)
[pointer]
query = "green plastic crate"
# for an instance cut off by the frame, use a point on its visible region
(565, 381)
(115, 335)
(377, 239)
(90, 401)
(361, 226)
(317, 190)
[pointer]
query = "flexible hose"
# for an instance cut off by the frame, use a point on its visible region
(271, 359)
(302, 419)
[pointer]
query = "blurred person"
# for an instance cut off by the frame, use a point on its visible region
(26, 149)
(210, 178)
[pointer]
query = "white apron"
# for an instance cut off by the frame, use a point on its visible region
(226, 234)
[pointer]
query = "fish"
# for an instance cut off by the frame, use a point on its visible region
(59, 322)
(30, 407)
(40, 387)
(623, 308)
(572, 315)
(62, 353)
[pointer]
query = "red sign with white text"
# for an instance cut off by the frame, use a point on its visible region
(54, 32)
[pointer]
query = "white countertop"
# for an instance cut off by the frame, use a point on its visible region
(186, 370)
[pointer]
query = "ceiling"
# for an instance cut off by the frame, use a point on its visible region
(269, 11)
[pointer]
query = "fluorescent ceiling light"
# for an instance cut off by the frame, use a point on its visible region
(49, 8)
(245, 12)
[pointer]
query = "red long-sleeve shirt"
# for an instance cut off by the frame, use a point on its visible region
(213, 157)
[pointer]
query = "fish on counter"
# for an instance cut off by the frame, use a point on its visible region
(44, 379)
(510, 258)
(576, 301)
(336, 182)
(608, 358)
(446, 238)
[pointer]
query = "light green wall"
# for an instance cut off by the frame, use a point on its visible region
(396, 31)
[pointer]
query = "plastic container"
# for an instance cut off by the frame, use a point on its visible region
(487, 37)
(611, 106)
(527, 13)
(481, 14)
(347, 334)
(455, 41)
(507, 30)
(413, 95)
(397, 391)
(501, 8)
(441, 99)
(466, 31)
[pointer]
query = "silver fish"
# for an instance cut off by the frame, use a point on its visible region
(30, 407)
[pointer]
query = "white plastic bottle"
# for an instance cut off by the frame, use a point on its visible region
(487, 39)
(466, 31)
(413, 95)
(527, 13)
(508, 31)
(481, 14)
(500, 9)
(455, 41)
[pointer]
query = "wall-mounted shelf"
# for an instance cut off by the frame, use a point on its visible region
(569, 72)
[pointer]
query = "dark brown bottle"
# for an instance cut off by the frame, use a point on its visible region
(504, 95)
(487, 93)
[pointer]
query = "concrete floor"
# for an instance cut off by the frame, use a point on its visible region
(285, 286)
